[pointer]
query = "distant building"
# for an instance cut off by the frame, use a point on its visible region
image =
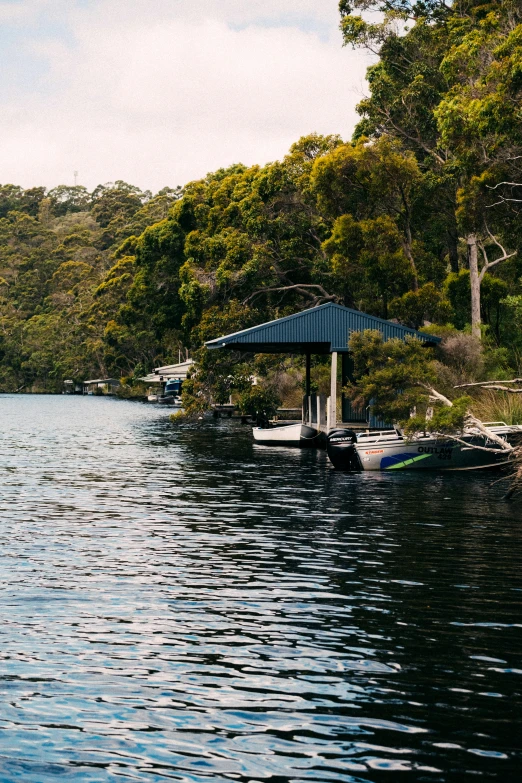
(160, 375)
(71, 387)
(101, 386)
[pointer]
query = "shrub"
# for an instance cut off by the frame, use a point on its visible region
(259, 403)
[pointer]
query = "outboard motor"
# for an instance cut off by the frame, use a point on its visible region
(340, 447)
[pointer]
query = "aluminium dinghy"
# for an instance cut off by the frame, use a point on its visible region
(391, 450)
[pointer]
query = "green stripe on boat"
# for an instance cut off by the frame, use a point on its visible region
(408, 462)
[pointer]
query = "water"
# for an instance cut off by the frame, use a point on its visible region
(180, 605)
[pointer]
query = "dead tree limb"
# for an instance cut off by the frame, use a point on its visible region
(486, 383)
(472, 445)
(503, 388)
(472, 420)
(301, 288)
(436, 396)
(505, 199)
(487, 263)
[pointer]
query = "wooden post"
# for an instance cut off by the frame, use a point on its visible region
(333, 392)
(307, 388)
(474, 277)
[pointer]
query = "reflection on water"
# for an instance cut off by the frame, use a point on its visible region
(179, 604)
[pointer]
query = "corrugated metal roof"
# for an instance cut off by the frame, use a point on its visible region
(168, 372)
(172, 369)
(101, 380)
(322, 329)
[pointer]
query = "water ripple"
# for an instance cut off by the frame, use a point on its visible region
(179, 604)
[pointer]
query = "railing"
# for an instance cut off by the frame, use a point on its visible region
(379, 436)
(314, 411)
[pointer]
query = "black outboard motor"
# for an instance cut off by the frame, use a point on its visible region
(341, 450)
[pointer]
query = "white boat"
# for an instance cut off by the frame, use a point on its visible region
(170, 399)
(391, 450)
(297, 434)
(152, 398)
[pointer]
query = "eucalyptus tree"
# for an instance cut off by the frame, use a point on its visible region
(447, 84)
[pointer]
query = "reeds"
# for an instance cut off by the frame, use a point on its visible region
(498, 406)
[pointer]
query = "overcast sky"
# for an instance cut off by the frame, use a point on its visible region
(159, 92)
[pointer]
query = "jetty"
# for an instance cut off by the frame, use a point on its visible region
(322, 330)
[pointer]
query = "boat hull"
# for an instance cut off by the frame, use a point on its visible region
(300, 435)
(430, 454)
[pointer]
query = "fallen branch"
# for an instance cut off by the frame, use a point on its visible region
(503, 388)
(470, 419)
(473, 445)
(516, 482)
(485, 383)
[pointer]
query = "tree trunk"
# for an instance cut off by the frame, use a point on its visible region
(474, 279)
(407, 247)
(453, 252)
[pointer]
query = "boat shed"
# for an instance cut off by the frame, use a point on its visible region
(320, 330)
(325, 329)
(101, 386)
(170, 371)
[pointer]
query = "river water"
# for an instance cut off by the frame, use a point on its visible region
(178, 604)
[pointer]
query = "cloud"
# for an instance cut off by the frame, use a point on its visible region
(160, 92)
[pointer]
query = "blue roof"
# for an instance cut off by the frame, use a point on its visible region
(322, 329)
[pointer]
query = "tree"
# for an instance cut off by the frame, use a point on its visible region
(377, 195)
(449, 89)
(399, 378)
(69, 198)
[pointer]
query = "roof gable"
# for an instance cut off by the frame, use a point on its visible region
(322, 329)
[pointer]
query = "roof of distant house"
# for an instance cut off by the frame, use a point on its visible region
(168, 372)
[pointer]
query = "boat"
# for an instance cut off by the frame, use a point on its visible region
(170, 399)
(392, 450)
(297, 434)
(171, 394)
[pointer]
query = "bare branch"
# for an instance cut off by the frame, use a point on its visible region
(511, 184)
(485, 383)
(435, 395)
(503, 388)
(472, 445)
(504, 200)
(300, 288)
(497, 243)
(487, 263)
(472, 420)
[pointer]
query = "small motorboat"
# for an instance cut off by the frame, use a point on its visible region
(170, 399)
(297, 434)
(391, 450)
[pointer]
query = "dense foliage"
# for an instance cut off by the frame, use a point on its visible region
(418, 218)
(405, 381)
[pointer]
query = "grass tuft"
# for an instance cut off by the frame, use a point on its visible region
(498, 406)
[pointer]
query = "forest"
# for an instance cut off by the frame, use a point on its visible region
(417, 218)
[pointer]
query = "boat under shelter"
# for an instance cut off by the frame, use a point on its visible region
(325, 329)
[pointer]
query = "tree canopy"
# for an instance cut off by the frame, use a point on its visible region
(416, 218)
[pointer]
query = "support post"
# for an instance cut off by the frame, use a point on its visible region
(333, 392)
(308, 384)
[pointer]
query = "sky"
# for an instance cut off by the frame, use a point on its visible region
(160, 92)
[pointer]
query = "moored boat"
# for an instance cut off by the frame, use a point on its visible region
(391, 450)
(297, 434)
